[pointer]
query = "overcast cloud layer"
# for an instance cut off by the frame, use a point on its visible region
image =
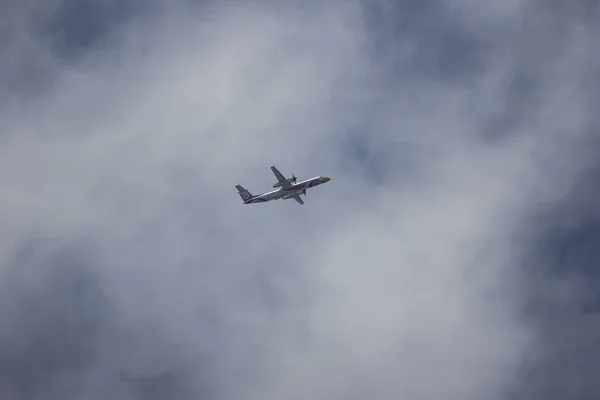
(451, 256)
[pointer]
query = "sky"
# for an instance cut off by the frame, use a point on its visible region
(451, 255)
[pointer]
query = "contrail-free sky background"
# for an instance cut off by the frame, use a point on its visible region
(453, 255)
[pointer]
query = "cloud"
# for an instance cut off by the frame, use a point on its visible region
(131, 270)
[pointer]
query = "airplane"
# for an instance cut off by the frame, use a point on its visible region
(287, 189)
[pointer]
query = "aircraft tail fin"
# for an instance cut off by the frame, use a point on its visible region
(244, 193)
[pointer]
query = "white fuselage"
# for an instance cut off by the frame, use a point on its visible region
(290, 191)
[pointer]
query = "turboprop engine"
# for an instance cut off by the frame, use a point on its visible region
(290, 195)
(288, 180)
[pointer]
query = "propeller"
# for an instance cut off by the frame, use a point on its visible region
(294, 178)
(304, 191)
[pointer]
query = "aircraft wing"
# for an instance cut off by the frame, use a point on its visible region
(278, 174)
(298, 199)
(280, 178)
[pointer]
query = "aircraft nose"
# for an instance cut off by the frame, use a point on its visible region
(326, 179)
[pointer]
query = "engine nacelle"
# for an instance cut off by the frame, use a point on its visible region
(278, 184)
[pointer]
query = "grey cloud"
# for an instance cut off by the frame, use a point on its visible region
(560, 279)
(440, 45)
(54, 314)
(401, 278)
(545, 32)
(562, 299)
(77, 27)
(64, 328)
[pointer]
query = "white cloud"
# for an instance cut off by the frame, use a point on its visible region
(398, 291)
